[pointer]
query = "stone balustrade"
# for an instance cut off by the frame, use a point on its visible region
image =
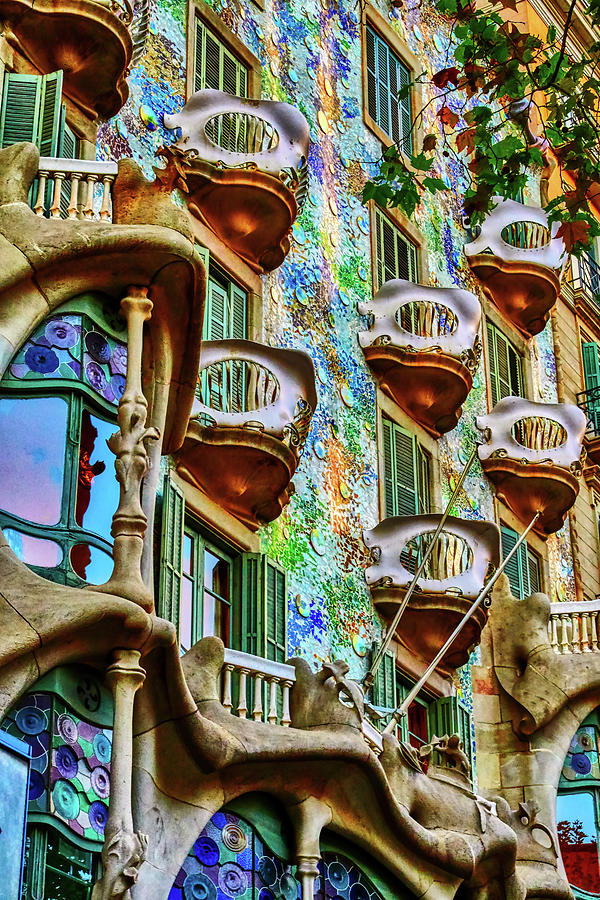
(74, 188)
(423, 344)
(261, 688)
(573, 627)
(532, 453)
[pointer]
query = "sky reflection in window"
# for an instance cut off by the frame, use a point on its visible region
(90, 563)
(32, 436)
(34, 551)
(97, 487)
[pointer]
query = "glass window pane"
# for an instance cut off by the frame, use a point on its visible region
(185, 613)
(578, 836)
(188, 549)
(90, 563)
(32, 550)
(32, 435)
(216, 574)
(97, 487)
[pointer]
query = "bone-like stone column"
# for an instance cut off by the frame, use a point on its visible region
(130, 446)
(308, 818)
(124, 849)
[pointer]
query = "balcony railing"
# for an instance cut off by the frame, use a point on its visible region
(584, 275)
(74, 188)
(589, 402)
(423, 344)
(573, 627)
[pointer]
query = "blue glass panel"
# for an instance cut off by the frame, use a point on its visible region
(14, 771)
(90, 563)
(32, 550)
(97, 487)
(32, 436)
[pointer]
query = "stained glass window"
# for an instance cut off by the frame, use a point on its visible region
(341, 879)
(57, 477)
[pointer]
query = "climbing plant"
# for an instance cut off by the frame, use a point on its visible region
(507, 102)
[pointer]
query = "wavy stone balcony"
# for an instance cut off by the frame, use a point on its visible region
(248, 427)
(455, 573)
(423, 345)
(518, 262)
(533, 455)
(243, 166)
(89, 41)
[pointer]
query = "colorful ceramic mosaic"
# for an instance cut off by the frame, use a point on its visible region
(73, 348)
(70, 766)
(582, 761)
(229, 860)
(341, 879)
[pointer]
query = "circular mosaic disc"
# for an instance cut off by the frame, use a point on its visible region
(31, 720)
(65, 799)
(267, 870)
(338, 875)
(234, 838)
(320, 449)
(100, 781)
(233, 881)
(303, 606)
(37, 785)
(67, 728)
(206, 850)
(148, 117)
(288, 887)
(359, 892)
(102, 747)
(198, 886)
(66, 762)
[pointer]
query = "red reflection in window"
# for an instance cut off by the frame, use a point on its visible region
(87, 470)
(580, 856)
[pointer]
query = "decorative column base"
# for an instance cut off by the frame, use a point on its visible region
(307, 871)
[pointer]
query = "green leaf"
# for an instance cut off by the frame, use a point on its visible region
(434, 185)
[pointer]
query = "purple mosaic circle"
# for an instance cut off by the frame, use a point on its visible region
(98, 814)
(66, 762)
(61, 334)
(31, 720)
(581, 764)
(97, 346)
(266, 894)
(100, 781)
(41, 359)
(37, 785)
(233, 881)
(206, 851)
(95, 376)
(118, 363)
(67, 729)
(198, 886)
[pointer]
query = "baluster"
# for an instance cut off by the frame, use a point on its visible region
(257, 712)
(55, 208)
(88, 210)
(594, 616)
(585, 643)
(73, 208)
(105, 209)
(554, 632)
(227, 670)
(40, 203)
(286, 720)
(272, 714)
(575, 638)
(564, 641)
(242, 709)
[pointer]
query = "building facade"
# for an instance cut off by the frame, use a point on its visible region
(235, 402)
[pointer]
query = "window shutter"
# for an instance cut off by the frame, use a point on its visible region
(248, 626)
(591, 365)
(388, 468)
(396, 255)
(50, 114)
(171, 551)
(423, 480)
(204, 255)
(215, 315)
(383, 85)
(215, 66)
(533, 569)
(371, 75)
(238, 327)
(447, 716)
(384, 686)
(515, 372)
(505, 366)
(405, 472)
(67, 149)
(275, 612)
(199, 55)
(19, 120)
(405, 112)
(513, 569)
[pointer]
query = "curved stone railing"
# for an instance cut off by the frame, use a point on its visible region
(573, 627)
(463, 554)
(212, 122)
(246, 385)
(66, 188)
(515, 232)
(533, 433)
(424, 319)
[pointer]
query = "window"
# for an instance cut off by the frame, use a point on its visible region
(205, 589)
(57, 867)
(395, 254)
(506, 372)
(32, 110)
(591, 374)
(58, 404)
(226, 310)
(387, 76)
(523, 571)
(215, 66)
(407, 472)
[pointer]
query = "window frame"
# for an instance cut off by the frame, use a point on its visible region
(37, 835)
(197, 8)
(495, 327)
(378, 218)
(421, 457)
(375, 21)
(531, 555)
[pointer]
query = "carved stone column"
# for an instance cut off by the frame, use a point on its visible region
(130, 446)
(308, 819)
(124, 849)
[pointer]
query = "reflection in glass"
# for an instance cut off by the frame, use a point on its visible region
(32, 436)
(186, 602)
(69, 870)
(97, 487)
(578, 836)
(217, 574)
(32, 550)
(91, 564)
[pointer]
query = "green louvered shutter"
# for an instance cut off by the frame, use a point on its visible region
(449, 715)
(384, 686)
(591, 372)
(386, 76)
(20, 116)
(275, 612)
(67, 149)
(215, 66)
(238, 320)
(205, 256)
(506, 378)
(388, 485)
(248, 626)
(371, 75)
(406, 472)
(513, 570)
(403, 78)
(423, 480)
(50, 114)
(396, 255)
(171, 551)
(533, 570)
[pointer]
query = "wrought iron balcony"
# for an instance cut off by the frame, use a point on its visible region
(533, 455)
(423, 344)
(589, 402)
(464, 555)
(89, 41)
(243, 167)
(518, 261)
(584, 275)
(248, 427)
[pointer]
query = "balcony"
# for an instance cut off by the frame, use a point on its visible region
(423, 345)
(454, 575)
(89, 41)
(518, 262)
(248, 426)
(533, 456)
(589, 403)
(574, 627)
(74, 189)
(242, 165)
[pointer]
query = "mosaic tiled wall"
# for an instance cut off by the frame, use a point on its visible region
(311, 57)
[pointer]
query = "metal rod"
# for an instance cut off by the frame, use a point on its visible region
(403, 708)
(370, 676)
